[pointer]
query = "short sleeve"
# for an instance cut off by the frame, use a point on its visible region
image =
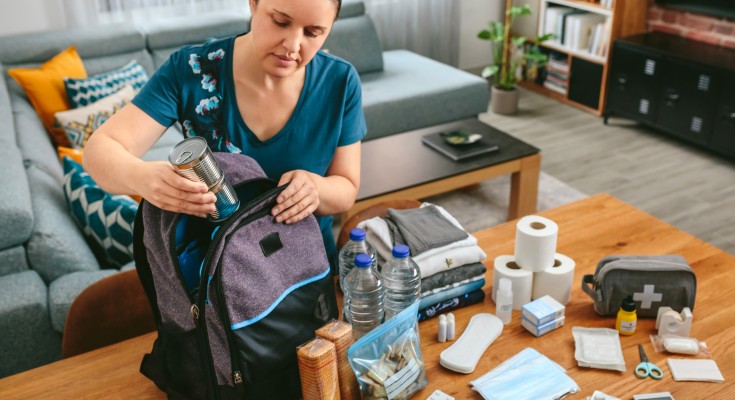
(161, 95)
(354, 127)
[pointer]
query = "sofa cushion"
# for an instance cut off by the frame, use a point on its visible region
(63, 291)
(15, 197)
(414, 92)
(44, 87)
(166, 36)
(106, 219)
(56, 247)
(356, 40)
(351, 8)
(91, 42)
(13, 260)
(84, 92)
(80, 123)
(28, 340)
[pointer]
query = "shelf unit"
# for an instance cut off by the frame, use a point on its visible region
(586, 86)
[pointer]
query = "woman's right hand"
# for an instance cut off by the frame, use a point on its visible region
(160, 185)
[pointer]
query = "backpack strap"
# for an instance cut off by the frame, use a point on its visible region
(141, 263)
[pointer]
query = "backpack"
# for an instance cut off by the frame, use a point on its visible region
(251, 290)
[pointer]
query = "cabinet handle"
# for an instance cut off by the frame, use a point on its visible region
(671, 98)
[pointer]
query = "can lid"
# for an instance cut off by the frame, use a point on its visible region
(401, 251)
(187, 150)
(363, 261)
(357, 234)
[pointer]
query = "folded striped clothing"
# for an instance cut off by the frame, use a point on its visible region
(451, 293)
(467, 299)
(430, 262)
(444, 280)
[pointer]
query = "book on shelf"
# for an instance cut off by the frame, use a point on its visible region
(555, 88)
(579, 29)
(607, 4)
(551, 20)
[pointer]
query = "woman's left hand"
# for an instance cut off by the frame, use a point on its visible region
(299, 199)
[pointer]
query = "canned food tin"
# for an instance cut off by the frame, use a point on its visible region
(192, 159)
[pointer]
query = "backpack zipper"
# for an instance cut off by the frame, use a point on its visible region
(203, 281)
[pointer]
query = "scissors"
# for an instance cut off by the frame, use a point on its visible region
(645, 368)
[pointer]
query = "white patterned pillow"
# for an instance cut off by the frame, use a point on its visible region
(83, 92)
(80, 123)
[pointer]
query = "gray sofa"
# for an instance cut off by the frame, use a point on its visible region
(45, 261)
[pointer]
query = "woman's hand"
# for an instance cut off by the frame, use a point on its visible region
(299, 199)
(159, 184)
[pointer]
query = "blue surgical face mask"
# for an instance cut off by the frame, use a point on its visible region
(528, 374)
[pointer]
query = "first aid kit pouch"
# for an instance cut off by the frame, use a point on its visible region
(653, 281)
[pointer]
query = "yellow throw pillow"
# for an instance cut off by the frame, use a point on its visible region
(44, 87)
(76, 155)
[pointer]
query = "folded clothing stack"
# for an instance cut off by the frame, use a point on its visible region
(452, 272)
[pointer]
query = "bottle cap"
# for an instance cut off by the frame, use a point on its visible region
(628, 304)
(363, 261)
(506, 285)
(401, 251)
(357, 234)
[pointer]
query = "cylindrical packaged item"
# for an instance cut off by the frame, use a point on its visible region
(535, 244)
(555, 281)
(521, 279)
(318, 370)
(193, 160)
(340, 333)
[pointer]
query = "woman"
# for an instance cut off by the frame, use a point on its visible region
(269, 94)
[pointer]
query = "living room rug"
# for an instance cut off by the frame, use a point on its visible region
(486, 204)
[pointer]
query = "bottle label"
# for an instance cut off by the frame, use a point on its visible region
(627, 326)
(506, 308)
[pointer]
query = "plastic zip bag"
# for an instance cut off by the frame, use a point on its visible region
(387, 361)
(679, 345)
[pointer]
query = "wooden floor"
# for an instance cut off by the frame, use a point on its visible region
(678, 183)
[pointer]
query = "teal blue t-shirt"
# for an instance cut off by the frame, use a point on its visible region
(195, 87)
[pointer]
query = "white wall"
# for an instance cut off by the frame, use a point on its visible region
(474, 17)
(23, 16)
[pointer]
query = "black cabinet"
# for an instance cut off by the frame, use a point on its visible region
(681, 87)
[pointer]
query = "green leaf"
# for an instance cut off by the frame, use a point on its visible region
(519, 40)
(545, 37)
(484, 34)
(490, 70)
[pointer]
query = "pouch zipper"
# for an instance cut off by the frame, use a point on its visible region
(608, 267)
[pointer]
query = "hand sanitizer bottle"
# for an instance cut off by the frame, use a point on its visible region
(504, 300)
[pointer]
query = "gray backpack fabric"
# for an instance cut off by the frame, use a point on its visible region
(653, 281)
(262, 289)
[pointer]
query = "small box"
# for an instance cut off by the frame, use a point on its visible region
(542, 329)
(542, 310)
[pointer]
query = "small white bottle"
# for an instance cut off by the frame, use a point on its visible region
(450, 327)
(441, 336)
(504, 300)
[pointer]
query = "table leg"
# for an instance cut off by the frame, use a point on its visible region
(524, 188)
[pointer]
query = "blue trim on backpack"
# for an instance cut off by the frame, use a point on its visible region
(279, 299)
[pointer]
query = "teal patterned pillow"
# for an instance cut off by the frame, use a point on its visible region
(85, 91)
(105, 219)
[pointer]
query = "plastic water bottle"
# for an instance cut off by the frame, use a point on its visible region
(402, 280)
(504, 300)
(364, 299)
(356, 245)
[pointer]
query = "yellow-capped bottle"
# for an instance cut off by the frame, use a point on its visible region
(627, 318)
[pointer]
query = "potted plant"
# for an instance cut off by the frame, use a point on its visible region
(508, 55)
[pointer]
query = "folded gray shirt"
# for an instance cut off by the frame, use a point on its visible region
(422, 229)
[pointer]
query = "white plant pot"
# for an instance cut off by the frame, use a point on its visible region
(504, 101)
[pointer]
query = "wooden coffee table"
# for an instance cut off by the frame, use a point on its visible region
(401, 167)
(589, 229)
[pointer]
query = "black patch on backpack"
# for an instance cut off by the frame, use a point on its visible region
(271, 244)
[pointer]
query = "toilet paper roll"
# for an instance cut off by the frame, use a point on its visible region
(535, 245)
(555, 281)
(522, 280)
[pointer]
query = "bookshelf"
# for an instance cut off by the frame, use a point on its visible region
(577, 74)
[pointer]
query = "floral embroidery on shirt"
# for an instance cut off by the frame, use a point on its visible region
(216, 55)
(207, 105)
(209, 83)
(194, 63)
(188, 130)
